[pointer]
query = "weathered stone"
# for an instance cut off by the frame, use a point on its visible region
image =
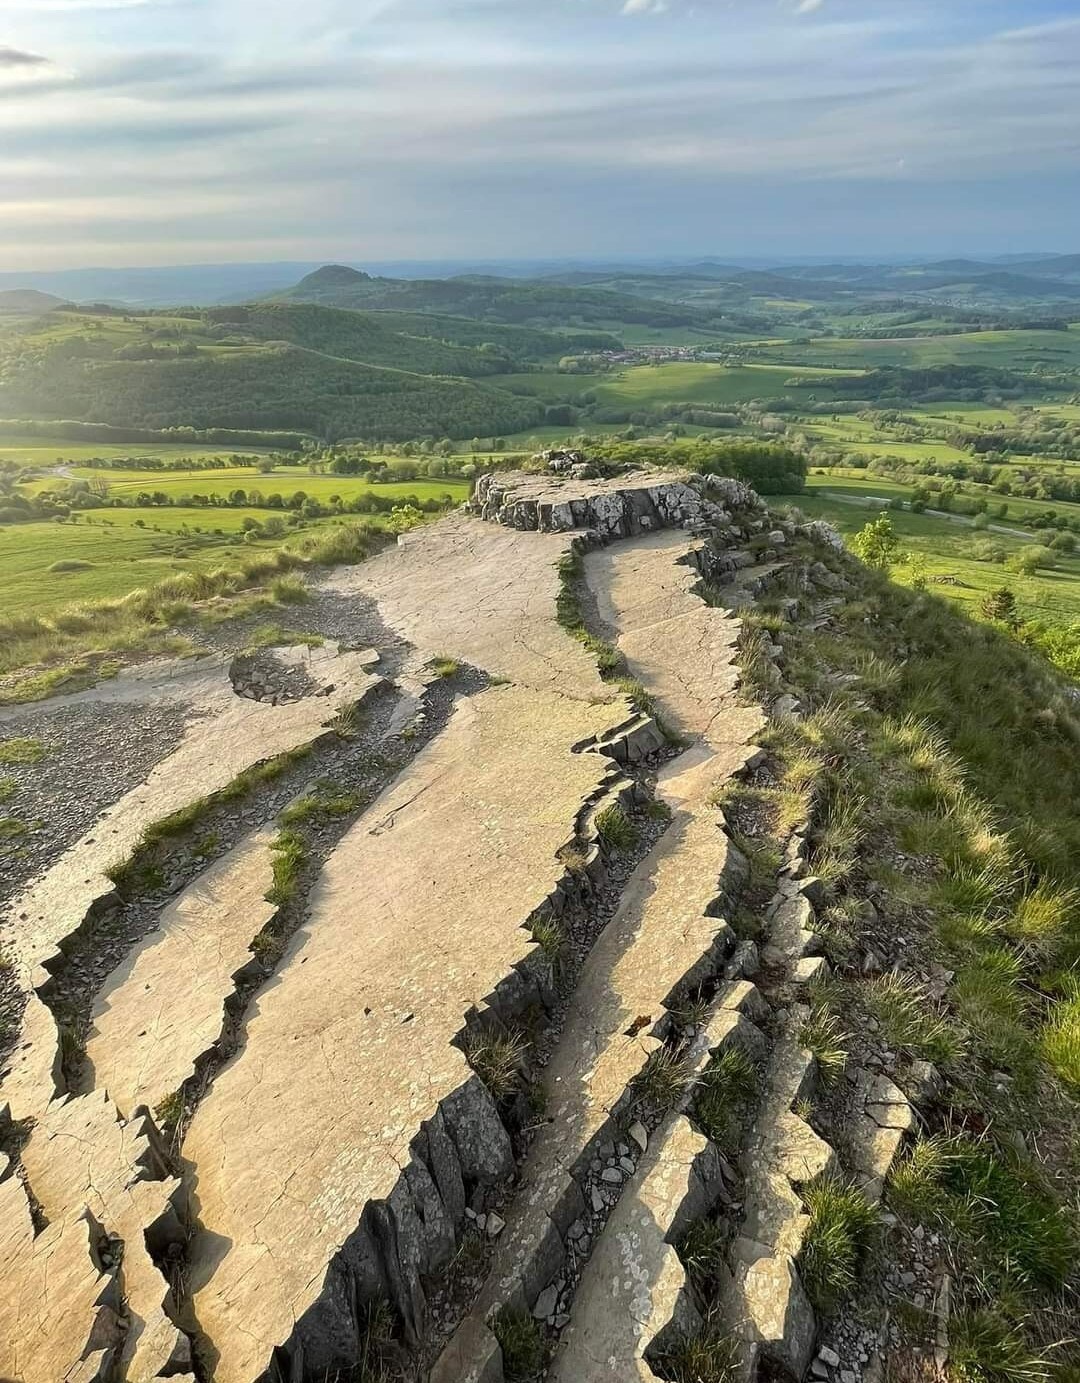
(351, 1050)
(634, 1285)
(148, 1029)
(778, 1313)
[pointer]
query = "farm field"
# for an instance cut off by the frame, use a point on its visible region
(31, 452)
(706, 383)
(861, 485)
(1001, 349)
(285, 480)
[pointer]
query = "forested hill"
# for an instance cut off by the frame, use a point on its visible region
(269, 366)
(513, 301)
(408, 341)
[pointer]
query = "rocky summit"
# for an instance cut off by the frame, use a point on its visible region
(439, 1003)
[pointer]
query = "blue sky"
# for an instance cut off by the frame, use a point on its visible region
(177, 131)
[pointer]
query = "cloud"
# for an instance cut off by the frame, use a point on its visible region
(644, 7)
(809, 6)
(16, 57)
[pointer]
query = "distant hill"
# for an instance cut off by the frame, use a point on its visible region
(268, 366)
(24, 300)
(507, 301)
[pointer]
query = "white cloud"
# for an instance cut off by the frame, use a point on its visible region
(809, 6)
(644, 7)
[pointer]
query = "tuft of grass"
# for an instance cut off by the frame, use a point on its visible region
(8, 788)
(663, 1081)
(524, 1351)
(1014, 1237)
(704, 1356)
(842, 1228)
(550, 935)
(445, 667)
(909, 1019)
(348, 721)
(703, 1251)
(169, 1111)
(1043, 917)
(725, 1093)
(21, 751)
(985, 1348)
(1061, 1041)
(615, 828)
(823, 1035)
(497, 1058)
(288, 590)
(290, 856)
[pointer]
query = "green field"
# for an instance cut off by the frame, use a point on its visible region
(285, 480)
(129, 548)
(31, 452)
(1000, 349)
(705, 383)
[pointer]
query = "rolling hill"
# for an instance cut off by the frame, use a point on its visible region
(509, 301)
(28, 300)
(320, 370)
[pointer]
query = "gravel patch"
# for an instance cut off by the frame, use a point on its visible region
(93, 755)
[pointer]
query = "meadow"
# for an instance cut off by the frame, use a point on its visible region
(127, 549)
(1014, 349)
(691, 381)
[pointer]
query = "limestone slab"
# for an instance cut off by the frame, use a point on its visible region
(55, 1303)
(680, 649)
(633, 1285)
(481, 594)
(83, 1160)
(163, 1007)
(417, 917)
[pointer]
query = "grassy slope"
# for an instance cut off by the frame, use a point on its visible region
(1053, 596)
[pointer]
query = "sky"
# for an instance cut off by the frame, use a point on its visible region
(183, 131)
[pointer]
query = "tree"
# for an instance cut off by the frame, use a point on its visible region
(1030, 560)
(877, 544)
(1000, 606)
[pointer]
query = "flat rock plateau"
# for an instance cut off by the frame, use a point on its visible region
(334, 995)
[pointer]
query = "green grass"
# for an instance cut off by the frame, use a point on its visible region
(997, 349)
(524, 1350)
(842, 1228)
(1017, 1238)
(21, 751)
(708, 384)
(290, 856)
(615, 828)
(945, 550)
(724, 1096)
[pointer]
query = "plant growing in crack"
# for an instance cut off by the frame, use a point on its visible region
(615, 828)
(498, 1058)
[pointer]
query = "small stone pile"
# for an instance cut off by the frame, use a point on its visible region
(269, 676)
